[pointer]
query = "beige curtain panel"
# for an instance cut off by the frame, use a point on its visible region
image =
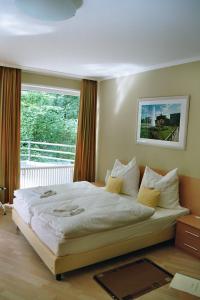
(84, 168)
(10, 94)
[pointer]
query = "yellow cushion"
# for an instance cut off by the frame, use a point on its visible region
(114, 185)
(149, 197)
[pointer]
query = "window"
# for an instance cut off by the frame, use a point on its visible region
(49, 119)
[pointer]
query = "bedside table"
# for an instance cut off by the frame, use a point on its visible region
(188, 234)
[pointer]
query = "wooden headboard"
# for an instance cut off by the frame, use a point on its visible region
(189, 191)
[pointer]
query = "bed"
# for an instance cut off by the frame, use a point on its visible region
(62, 253)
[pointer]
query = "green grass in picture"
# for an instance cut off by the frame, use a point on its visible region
(165, 132)
(144, 132)
(159, 133)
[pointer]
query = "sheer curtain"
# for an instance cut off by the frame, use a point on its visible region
(84, 168)
(10, 94)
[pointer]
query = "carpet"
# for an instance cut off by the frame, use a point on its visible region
(132, 280)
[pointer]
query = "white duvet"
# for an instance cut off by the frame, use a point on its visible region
(26, 199)
(98, 210)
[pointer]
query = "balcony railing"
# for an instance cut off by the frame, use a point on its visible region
(46, 163)
(34, 176)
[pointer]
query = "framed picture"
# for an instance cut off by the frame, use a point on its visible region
(163, 121)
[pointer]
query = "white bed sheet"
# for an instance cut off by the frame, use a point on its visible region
(162, 218)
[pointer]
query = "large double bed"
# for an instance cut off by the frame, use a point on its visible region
(83, 224)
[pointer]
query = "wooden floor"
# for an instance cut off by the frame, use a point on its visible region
(23, 276)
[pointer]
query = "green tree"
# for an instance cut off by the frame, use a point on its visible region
(48, 117)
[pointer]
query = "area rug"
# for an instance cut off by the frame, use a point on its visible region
(132, 280)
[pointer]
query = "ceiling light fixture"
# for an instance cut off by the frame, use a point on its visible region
(48, 10)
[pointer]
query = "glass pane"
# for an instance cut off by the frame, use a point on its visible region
(48, 137)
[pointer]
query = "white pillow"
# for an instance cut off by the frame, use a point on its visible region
(130, 174)
(108, 174)
(168, 186)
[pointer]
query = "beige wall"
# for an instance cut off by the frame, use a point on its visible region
(117, 119)
(45, 80)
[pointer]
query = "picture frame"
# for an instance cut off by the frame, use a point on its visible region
(162, 121)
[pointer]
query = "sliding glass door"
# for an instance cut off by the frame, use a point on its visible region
(49, 121)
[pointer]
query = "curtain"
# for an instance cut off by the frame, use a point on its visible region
(84, 168)
(10, 94)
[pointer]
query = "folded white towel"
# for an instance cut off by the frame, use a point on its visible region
(77, 211)
(65, 208)
(66, 211)
(40, 190)
(48, 194)
(43, 192)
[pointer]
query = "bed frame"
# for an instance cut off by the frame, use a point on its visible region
(189, 195)
(60, 264)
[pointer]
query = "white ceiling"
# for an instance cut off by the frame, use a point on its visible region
(106, 38)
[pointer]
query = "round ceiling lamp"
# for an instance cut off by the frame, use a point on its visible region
(48, 10)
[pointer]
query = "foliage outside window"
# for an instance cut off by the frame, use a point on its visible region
(48, 118)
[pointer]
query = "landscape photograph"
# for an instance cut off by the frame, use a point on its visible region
(160, 121)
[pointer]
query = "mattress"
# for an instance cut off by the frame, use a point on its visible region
(162, 219)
